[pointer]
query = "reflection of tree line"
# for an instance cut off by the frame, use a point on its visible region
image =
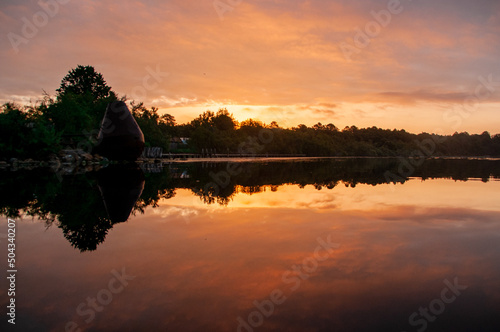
(75, 204)
(328, 174)
(86, 206)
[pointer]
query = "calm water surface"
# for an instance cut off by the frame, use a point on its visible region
(295, 246)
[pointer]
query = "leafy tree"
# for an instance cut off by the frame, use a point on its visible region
(205, 119)
(212, 131)
(25, 134)
(331, 127)
(84, 80)
(252, 123)
(274, 125)
(81, 102)
(73, 116)
(153, 126)
(168, 120)
(319, 126)
(302, 127)
(250, 127)
(223, 120)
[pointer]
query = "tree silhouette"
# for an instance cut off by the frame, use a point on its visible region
(84, 80)
(223, 120)
(81, 102)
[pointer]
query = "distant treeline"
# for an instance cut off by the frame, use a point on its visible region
(73, 117)
(221, 132)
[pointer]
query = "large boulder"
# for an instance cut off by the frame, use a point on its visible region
(120, 137)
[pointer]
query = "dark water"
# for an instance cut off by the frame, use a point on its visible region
(269, 246)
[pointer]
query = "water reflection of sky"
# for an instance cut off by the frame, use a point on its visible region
(199, 267)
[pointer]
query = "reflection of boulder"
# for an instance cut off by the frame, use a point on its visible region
(121, 187)
(120, 137)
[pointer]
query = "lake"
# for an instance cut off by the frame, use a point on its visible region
(298, 245)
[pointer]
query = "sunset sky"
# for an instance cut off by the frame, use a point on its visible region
(420, 65)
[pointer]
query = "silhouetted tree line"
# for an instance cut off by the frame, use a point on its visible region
(73, 118)
(222, 132)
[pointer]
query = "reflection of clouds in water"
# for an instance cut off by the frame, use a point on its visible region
(174, 211)
(325, 201)
(397, 262)
(384, 261)
(391, 262)
(396, 251)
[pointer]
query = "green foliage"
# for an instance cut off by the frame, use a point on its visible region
(77, 112)
(325, 140)
(212, 130)
(85, 81)
(251, 127)
(25, 134)
(224, 121)
(157, 129)
(81, 102)
(71, 114)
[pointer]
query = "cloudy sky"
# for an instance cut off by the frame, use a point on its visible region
(420, 65)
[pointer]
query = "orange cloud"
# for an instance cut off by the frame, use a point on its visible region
(263, 54)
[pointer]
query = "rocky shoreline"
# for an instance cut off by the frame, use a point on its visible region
(65, 160)
(71, 162)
